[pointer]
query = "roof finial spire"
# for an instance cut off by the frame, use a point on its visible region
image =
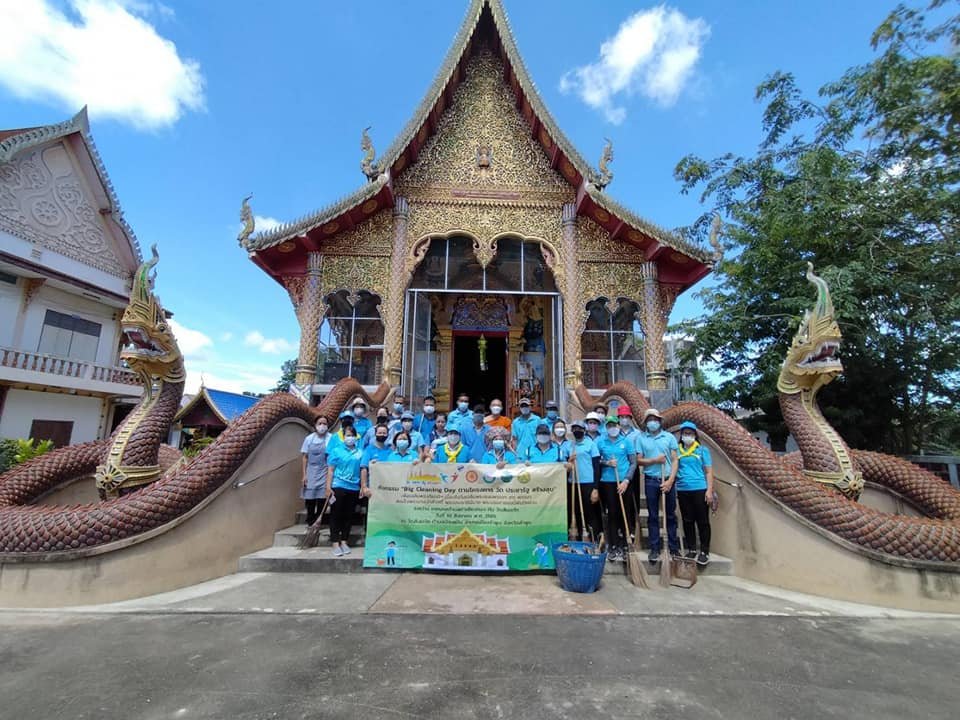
(715, 238)
(605, 176)
(370, 168)
(246, 217)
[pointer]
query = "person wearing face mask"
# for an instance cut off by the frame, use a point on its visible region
(403, 449)
(460, 417)
(552, 413)
(424, 421)
(601, 411)
(406, 425)
(474, 435)
(629, 432)
(398, 405)
(437, 437)
(453, 450)
(382, 419)
(544, 449)
(496, 418)
(377, 451)
(592, 424)
(585, 455)
(361, 423)
(658, 451)
(314, 455)
(523, 428)
(499, 452)
(618, 460)
(560, 437)
(336, 439)
(343, 480)
(694, 492)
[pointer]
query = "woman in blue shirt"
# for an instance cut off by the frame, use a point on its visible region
(618, 460)
(403, 452)
(694, 492)
(585, 481)
(499, 454)
(452, 451)
(544, 450)
(343, 479)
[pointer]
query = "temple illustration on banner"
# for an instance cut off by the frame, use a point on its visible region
(464, 550)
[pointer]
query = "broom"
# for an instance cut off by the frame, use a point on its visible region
(572, 529)
(584, 528)
(312, 538)
(666, 559)
(635, 570)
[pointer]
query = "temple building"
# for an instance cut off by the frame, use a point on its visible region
(482, 254)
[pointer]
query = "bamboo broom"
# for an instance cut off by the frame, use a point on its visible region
(666, 559)
(312, 538)
(635, 570)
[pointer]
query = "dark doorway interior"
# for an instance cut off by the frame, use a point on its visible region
(481, 385)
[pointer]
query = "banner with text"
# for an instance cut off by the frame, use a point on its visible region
(465, 517)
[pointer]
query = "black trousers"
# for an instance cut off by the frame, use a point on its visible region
(341, 514)
(611, 504)
(631, 499)
(314, 507)
(591, 512)
(696, 519)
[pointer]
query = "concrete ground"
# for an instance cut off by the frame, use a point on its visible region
(257, 646)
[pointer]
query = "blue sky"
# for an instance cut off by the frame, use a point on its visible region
(195, 104)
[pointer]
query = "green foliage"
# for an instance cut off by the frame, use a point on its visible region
(865, 185)
(29, 449)
(288, 374)
(197, 445)
(8, 449)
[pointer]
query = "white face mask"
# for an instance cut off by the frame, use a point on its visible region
(321, 429)
(625, 423)
(428, 409)
(462, 406)
(543, 439)
(349, 441)
(560, 432)
(613, 432)
(496, 409)
(653, 426)
(687, 439)
(593, 427)
(360, 412)
(524, 409)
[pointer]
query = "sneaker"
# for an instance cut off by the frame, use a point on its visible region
(691, 554)
(344, 549)
(703, 559)
(654, 557)
(337, 551)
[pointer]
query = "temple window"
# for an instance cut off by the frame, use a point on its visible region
(351, 340)
(450, 264)
(69, 336)
(611, 346)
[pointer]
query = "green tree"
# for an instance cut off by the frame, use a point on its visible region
(864, 183)
(288, 374)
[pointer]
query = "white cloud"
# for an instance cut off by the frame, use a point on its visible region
(100, 53)
(653, 53)
(273, 346)
(192, 342)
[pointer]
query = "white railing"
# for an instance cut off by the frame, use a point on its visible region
(65, 367)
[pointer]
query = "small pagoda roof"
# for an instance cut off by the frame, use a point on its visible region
(308, 231)
(15, 141)
(225, 406)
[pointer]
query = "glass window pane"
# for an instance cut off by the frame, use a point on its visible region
(631, 372)
(367, 305)
(54, 341)
(367, 365)
(465, 272)
(627, 346)
(503, 272)
(596, 374)
(339, 307)
(623, 317)
(595, 346)
(598, 318)
(429, 273)
(537, 277)
(367, 333)
(83, 347)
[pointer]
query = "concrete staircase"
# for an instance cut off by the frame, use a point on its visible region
(285, 556)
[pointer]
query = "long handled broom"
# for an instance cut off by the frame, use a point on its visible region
(666, 559)
(312, 538)
(584, 528)
(572, 528)
(635, 570)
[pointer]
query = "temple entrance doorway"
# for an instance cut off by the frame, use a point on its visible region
(482, 374)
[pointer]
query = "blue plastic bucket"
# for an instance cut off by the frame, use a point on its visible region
(579, 572)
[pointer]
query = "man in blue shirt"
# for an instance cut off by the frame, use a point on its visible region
(524, 426)
(474, 436)
(629, 432)
(544, 450)
(383, 418)
(618, 460)
(424, 421)
(552, 412)
(657, 451)
(361, 423)
(377, 451)
(460, 417)
(398, 407)
(585, 483)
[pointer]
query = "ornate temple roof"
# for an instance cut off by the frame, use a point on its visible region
(226, 406)
(592, 200)
(15, 141)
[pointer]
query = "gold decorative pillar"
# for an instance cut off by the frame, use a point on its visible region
(392, 311)
(572, 314)
(656, 303)
(443, 391)
(305, 294)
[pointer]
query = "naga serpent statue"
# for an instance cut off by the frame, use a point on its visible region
(825, 487)
(142, 482)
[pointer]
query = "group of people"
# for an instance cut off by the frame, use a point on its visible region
(606, 455)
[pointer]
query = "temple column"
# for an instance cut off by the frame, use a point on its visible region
(572, 313)
(392, 311)
(304, 291)
(653, 318)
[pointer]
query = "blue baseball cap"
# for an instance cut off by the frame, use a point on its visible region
(687, 425)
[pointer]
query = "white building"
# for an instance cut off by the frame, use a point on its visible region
(67, 259)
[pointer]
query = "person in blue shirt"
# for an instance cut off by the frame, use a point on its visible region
(460, 417)
(406, 425)
(343, 480)
(452, 451)
(694, 492)
(382, 418)
(552, 411)
(585, 481)
(474, 435)
(544, 450)
(560, 437)
(523, 428)
(437, 437)
(499, 453)
(618, 460)
(658, 456)
(377, 451)
(336, 440)
(423, 422)
(399, 401)
(403, 449)
(592, 423)
(361, 423)
(630, 432)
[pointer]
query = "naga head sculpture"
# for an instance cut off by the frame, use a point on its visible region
(811, 361)
(150, 349)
